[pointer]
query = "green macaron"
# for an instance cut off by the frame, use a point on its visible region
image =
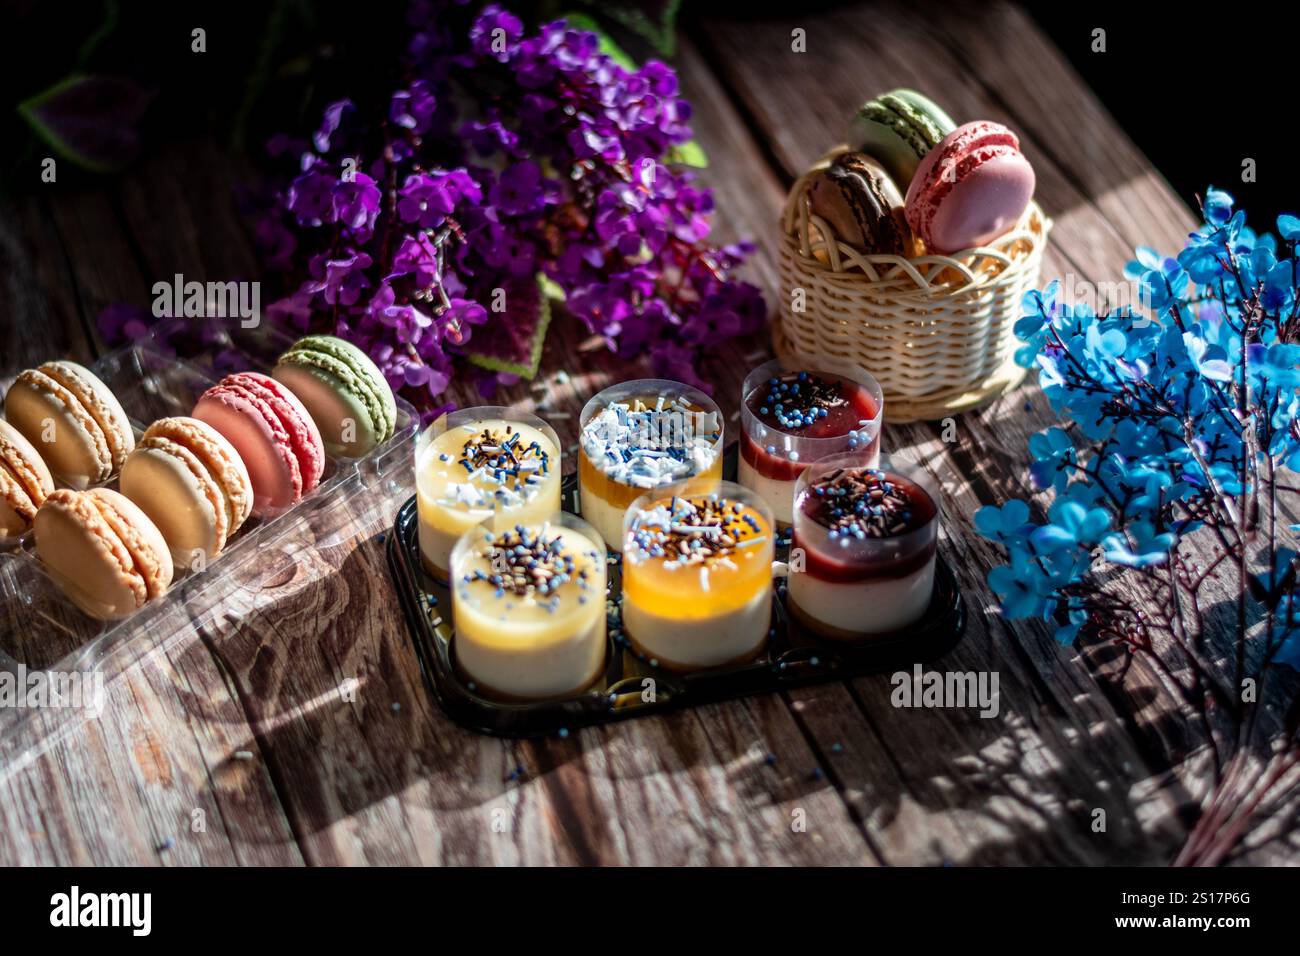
(343, 391)
(899, 128)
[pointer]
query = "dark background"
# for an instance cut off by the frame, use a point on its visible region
(1198, 88)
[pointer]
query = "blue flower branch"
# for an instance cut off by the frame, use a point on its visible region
(1166, 492)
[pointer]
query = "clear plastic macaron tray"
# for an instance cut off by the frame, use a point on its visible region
(41, 630)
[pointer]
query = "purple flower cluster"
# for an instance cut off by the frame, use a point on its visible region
(503, 158)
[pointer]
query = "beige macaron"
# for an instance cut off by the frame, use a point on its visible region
(102, 550)
(73, 419)
(192, 483)
(24, 481)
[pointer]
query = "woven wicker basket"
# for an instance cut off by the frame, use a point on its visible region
(936, 331)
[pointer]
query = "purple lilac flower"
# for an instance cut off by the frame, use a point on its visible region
(334, 114)
(356, 202)
(413, 108)
(560, 171)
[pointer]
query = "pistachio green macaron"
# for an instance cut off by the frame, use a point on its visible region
(343, 391)
(899, 128)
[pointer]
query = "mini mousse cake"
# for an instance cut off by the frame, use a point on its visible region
(697, 577)
(481, 463)
(797, 411)
(862, 556)
(643, 435)
(529, 608)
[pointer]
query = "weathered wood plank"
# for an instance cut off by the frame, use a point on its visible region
(38, 315)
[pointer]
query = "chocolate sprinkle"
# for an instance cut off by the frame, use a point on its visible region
(524, 564)
(695, 531)
(500, 454)
(863, 503)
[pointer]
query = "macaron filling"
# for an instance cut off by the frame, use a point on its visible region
(43, 385)
(145, 561)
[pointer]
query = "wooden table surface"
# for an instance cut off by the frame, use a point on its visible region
(237, 718)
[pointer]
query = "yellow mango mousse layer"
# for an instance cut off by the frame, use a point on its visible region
(459, 484)
(534, 617)
(710, 580)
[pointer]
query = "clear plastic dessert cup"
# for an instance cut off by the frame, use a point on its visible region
(486, 464)
(863, 549)
(528, 602)
(640, 436)
(697, 577)
(795, 411)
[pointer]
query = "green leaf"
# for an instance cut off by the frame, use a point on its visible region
(512, 341)
(688, 154)
(652, 20)
(90, 120)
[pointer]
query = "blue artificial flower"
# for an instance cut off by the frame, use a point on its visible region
(1158, 432)
(1217, 206)
(1009, 523)
(1208, 360)
(1023, 588)
(1146, 548)
(1053, 452)
(1077, 617)
(1164, 285)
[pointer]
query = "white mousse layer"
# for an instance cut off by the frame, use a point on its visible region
(873, 606)
(603, 516)
(778, 494)
(702, 641)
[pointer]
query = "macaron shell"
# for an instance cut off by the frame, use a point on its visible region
(17, 509)
(272, 434)
(77, 452)
(262, 443)
(899, 128)
(304, 436)
(102, 404)
(318, 364)
(369, 379)
(143, 540)
(169, 484)
(971, 188)
(218, 458)
(859, 202)
(331, 405)
(25, 481)
(85, 558)
(102, 551)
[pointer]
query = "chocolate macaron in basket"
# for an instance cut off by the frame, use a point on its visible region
(908, 250)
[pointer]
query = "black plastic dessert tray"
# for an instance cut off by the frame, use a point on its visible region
(792, 656)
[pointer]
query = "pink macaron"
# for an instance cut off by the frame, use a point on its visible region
(970, 189)
(274, 435)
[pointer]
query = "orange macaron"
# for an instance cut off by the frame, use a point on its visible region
(25, 481)
(73, 419)
(192, 483)
(102, 551)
